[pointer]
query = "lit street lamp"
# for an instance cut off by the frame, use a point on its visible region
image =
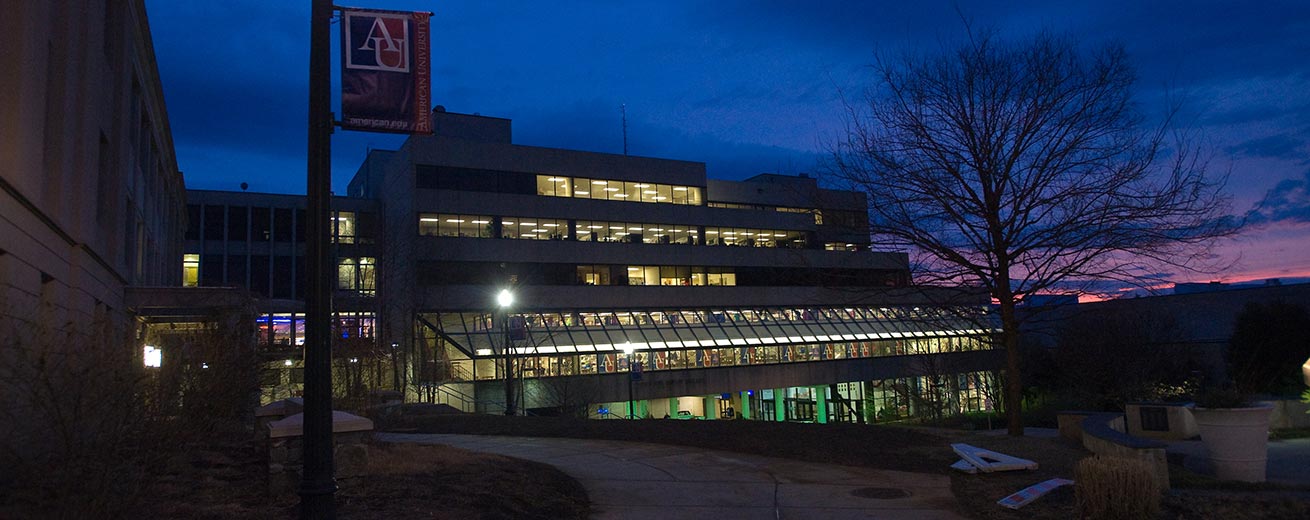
(504, 300)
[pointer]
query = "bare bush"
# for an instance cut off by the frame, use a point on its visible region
(570, 395)
(86, 425)
(71, 420)
(1115, 488)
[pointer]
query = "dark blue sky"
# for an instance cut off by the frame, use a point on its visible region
(746, 87)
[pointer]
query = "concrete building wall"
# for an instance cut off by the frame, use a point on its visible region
(90, 193)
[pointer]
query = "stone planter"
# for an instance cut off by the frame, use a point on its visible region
(1237, 439)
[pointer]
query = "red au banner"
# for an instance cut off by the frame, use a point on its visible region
(385, 78)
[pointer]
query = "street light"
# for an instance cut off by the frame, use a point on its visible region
(504, 299)
(632, 375)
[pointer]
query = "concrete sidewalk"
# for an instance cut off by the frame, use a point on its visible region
(1288, 460)
(637, 480)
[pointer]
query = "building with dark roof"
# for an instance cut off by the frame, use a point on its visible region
(759, 296)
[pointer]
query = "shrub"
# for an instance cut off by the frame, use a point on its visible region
(87, 428)
(1268, 346)
(1115, 488)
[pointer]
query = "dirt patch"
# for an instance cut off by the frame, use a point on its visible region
(1055, 459)
(1264, 505)
(445, 482)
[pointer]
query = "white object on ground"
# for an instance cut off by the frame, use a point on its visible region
(988, 461)
(1026, 495)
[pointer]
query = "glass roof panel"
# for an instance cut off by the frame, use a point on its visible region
(607, 331)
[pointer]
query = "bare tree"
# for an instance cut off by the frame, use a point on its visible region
(1026, 167)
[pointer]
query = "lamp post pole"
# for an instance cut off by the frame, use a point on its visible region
(504, 300)
(317, 485)
(632, 377)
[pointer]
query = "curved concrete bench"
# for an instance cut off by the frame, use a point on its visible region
(1102, 434)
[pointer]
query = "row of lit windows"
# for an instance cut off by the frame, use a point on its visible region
(655, 275)
(531, 228)
(818, 215)
(448, 225)
(636, 233)
(726, 317)
(575, 364)
(680, 275)
(287, 329)
(629, 191)
(754, 237)
(925, 396)
(535, 228)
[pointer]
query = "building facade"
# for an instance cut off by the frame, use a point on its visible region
(639, 287)
(256, 242)
(91, 199)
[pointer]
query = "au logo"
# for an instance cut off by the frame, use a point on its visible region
(376, 41)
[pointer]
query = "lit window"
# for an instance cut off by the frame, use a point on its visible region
(190, 270)
(343, 227)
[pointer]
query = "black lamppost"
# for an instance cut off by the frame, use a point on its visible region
(504, 300)
(634, 373)
(318, 483)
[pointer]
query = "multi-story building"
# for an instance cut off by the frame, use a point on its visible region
(91, 199)
(256, 241)
(757, 298)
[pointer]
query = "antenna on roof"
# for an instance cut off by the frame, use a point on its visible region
(623, 108)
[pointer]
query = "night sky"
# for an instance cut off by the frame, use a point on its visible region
(745, 87)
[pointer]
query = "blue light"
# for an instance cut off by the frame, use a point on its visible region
(750, 392)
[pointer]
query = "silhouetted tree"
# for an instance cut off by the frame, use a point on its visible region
(1025, 167)
(1110, 357)
(1268, 346)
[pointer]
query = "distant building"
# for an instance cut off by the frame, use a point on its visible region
(758, 296)
(1199, 322)
(1193, 288)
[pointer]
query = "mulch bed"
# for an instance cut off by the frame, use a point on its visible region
(228, 480)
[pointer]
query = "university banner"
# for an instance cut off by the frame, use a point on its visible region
(385, 77)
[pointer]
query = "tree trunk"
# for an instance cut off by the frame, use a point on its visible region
(1013, 386)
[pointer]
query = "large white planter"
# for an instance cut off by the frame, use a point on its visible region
(1237, 439)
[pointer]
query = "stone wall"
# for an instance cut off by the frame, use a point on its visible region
(286, 459)
(1102, 434)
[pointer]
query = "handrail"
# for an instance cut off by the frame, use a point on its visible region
(464, 402)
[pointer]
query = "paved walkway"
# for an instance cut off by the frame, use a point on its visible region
(1288, 460)
(637, 481)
